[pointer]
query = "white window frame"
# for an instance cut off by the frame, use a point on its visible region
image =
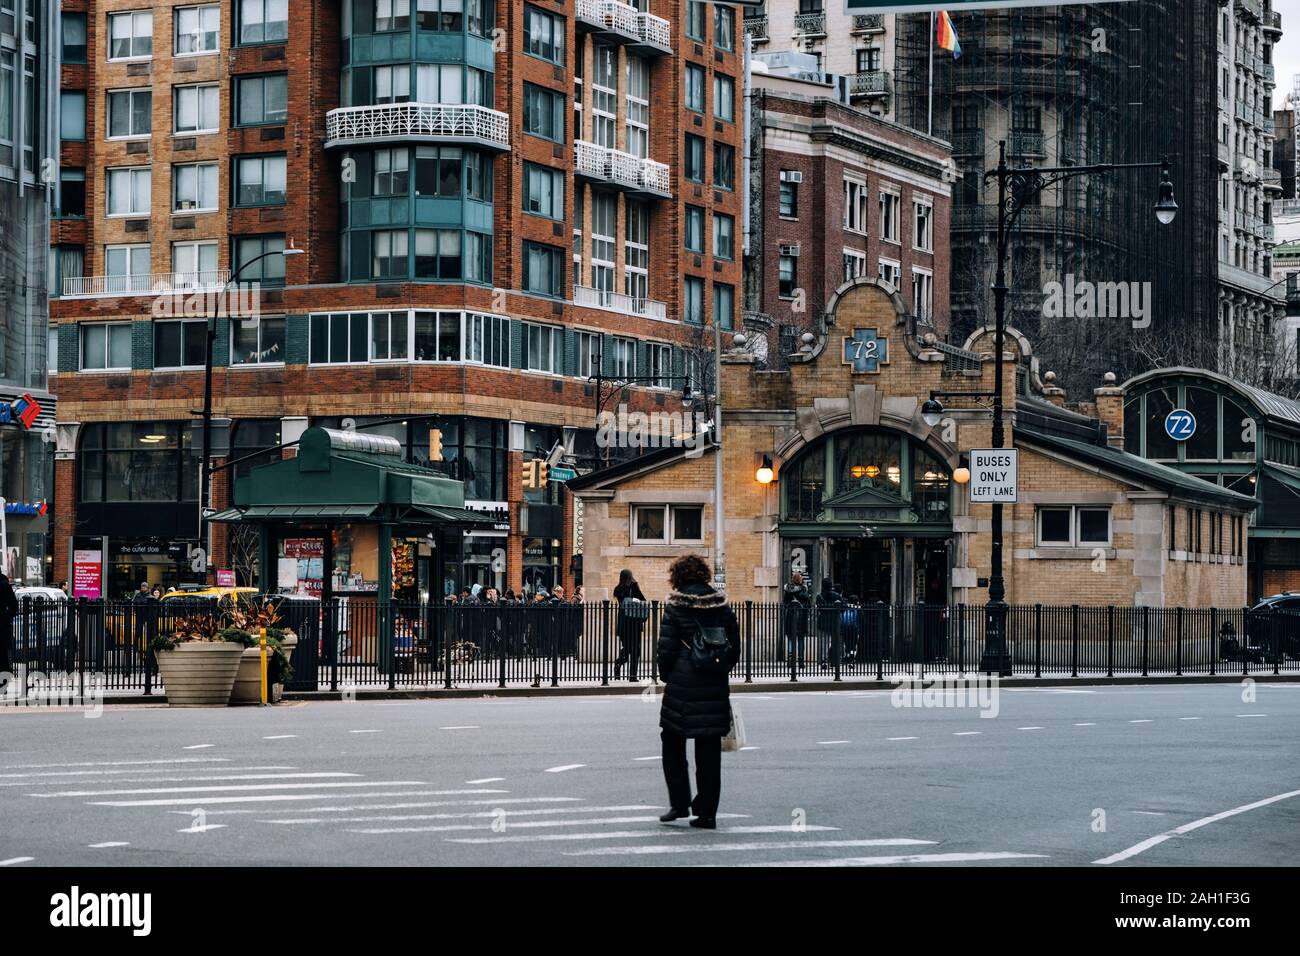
(132, 16)
(636, 250)
(923, 309)
(669, 512)
(855, 204)
(604, 98)
(108, 327)
(1075, 540)
(554, 341)
(202, 10)
(199, 205)
(624, 354)
(405, 340)
(259, 323)
(891, 202)
(453, 318)
(134, 174)
(719, 220)
(604, 242)
(659, 364)
(918, 233)
(637, 106)
(197, 246)
(859, 258)
(589, 349)
(195, 323)
(473, 342)
(201, 91)
(131, 93)
(891, 271)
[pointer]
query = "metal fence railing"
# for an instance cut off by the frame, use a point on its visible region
(360, 643)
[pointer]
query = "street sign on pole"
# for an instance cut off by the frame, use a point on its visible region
(993, 475)
(562, 474)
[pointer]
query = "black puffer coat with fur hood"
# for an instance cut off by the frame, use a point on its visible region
(696, 703)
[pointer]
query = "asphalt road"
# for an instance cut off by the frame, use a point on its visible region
(1060, 776)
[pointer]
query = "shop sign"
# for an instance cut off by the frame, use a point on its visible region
(26, 507)
(225, 579)
(21, 411)
(87, 573)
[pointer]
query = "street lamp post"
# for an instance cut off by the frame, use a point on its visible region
(1017, 187)
(206, 474)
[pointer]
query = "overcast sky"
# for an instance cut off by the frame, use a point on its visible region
(1286, 55)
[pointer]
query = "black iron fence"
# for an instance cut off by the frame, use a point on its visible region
(357, 643)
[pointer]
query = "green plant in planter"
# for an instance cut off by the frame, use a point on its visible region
(185, 630)
(278, 669)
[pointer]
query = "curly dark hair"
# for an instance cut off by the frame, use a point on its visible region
(688, 569)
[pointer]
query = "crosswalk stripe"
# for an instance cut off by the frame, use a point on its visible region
(245, 776)
(564, 767)
(16, 859)
(251, 786)
(105, 846)
(270, 798)
(516, 826)
(463, 815)
(907, 858)
(113, 763)
(405, 806)
(97, 773)
(656, 848)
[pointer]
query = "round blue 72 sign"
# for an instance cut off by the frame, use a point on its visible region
(1180, 424)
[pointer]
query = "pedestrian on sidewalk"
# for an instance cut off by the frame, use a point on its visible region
(699, 644)
(633, 610)
(794, 618)
(8, 611)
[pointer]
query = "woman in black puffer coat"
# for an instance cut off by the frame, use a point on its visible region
(696, 704)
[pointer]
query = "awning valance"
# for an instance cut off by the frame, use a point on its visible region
(267, 512)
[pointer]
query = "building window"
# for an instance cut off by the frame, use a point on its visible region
(439, 254)
(389, 253)
(855, 205)
(695, 12)
(604, 94)
(194, 187)
(868, 60)
(542, 345)
(260, 180)
(788, 275)
(603, 227)
(130, 113)
(437, 171)
(128, 191)
(724, 97)
(693, 300)
(478, 176)
(636, 129)
(543, 113)
(659, 364)
(392, 15)
(724, 236)
(180, 344)
(194, 263)
(392, 84)
(72, 113)
(73, 27)
(693, 235)
(667, 524)
(889, 216)
(789, 198)
(724, 27)
(1073, 527)
(543, 270)
(66, 262)
(543, 191)
(694, 88)
(478, 257)
(138, 461)
(198, 29)
(488, 339)
(724, 165)
(890, 271)
(636, 251)
(724, 305)
(126, 268)
(437, 337)
(72, 193)
(389, 336)
(261, 100)
(339, 338)
(855, 264)
(268, 271)
(195, 109)
(694, 159)
(922, 235)
(543, 35)
(105, 346)
(922, 294)
(263, 21)
(624, 358)
(130, 35)
(392, 173)
(589, 349)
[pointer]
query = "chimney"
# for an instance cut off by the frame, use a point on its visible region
(1110, 409)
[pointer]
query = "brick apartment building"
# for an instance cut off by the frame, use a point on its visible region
(490, 200)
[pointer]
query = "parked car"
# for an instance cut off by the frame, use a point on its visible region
(1272, 631)
(44, 632)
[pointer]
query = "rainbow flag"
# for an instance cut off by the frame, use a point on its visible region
(946, 36)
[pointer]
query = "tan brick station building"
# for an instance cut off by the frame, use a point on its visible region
(864, 490)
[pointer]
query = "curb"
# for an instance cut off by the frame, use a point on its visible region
(766, 687)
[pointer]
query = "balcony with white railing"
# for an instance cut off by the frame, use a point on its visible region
(423, 122)
(613, 167)
(870, 83)
(656, 34)
(621, 21)
(160, 283)
(617, 302)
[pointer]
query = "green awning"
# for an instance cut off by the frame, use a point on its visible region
(460, 517)
(264, 512)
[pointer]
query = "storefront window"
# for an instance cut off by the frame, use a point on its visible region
(138, 461)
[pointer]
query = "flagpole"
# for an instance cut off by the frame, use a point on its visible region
(929, 119)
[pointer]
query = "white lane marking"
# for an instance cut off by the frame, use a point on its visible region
(666, 832)
(237, 776)
(656, 848)
(486, 780)
(1145, 720)
(526, 824)
(1252, 715)
(412, 805)
(102, 773)
(113, 763)
(1029, 728)
(968, 733)
(463, 815)
(204, 829)
(655, 757)
(1148, 843)
(1086, 724)
(250, 786)
(827, 743)
(16, 859)
(895, 860)
(280, 737)
(1189, 718)
(275, 798)
(365, 731)
(902, 738)
(1150, 813)
(461, 727)
(563, 767)
(748, 748)
(198, 746)
(105, 846)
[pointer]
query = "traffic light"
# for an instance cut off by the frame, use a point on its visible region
(543, 471)
(530, 473)
(435, 444)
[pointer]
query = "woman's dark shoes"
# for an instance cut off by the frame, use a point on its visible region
(705, 823)
(672, 815)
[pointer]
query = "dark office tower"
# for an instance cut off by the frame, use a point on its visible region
(1075, 85)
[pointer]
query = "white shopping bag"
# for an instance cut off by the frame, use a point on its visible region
(735, 738)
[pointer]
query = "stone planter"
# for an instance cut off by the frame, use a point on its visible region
(248, 680)
(199, 673)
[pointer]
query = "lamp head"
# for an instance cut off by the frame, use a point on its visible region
(932, 412)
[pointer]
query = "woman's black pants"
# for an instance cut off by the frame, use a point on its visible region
(708, 773)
